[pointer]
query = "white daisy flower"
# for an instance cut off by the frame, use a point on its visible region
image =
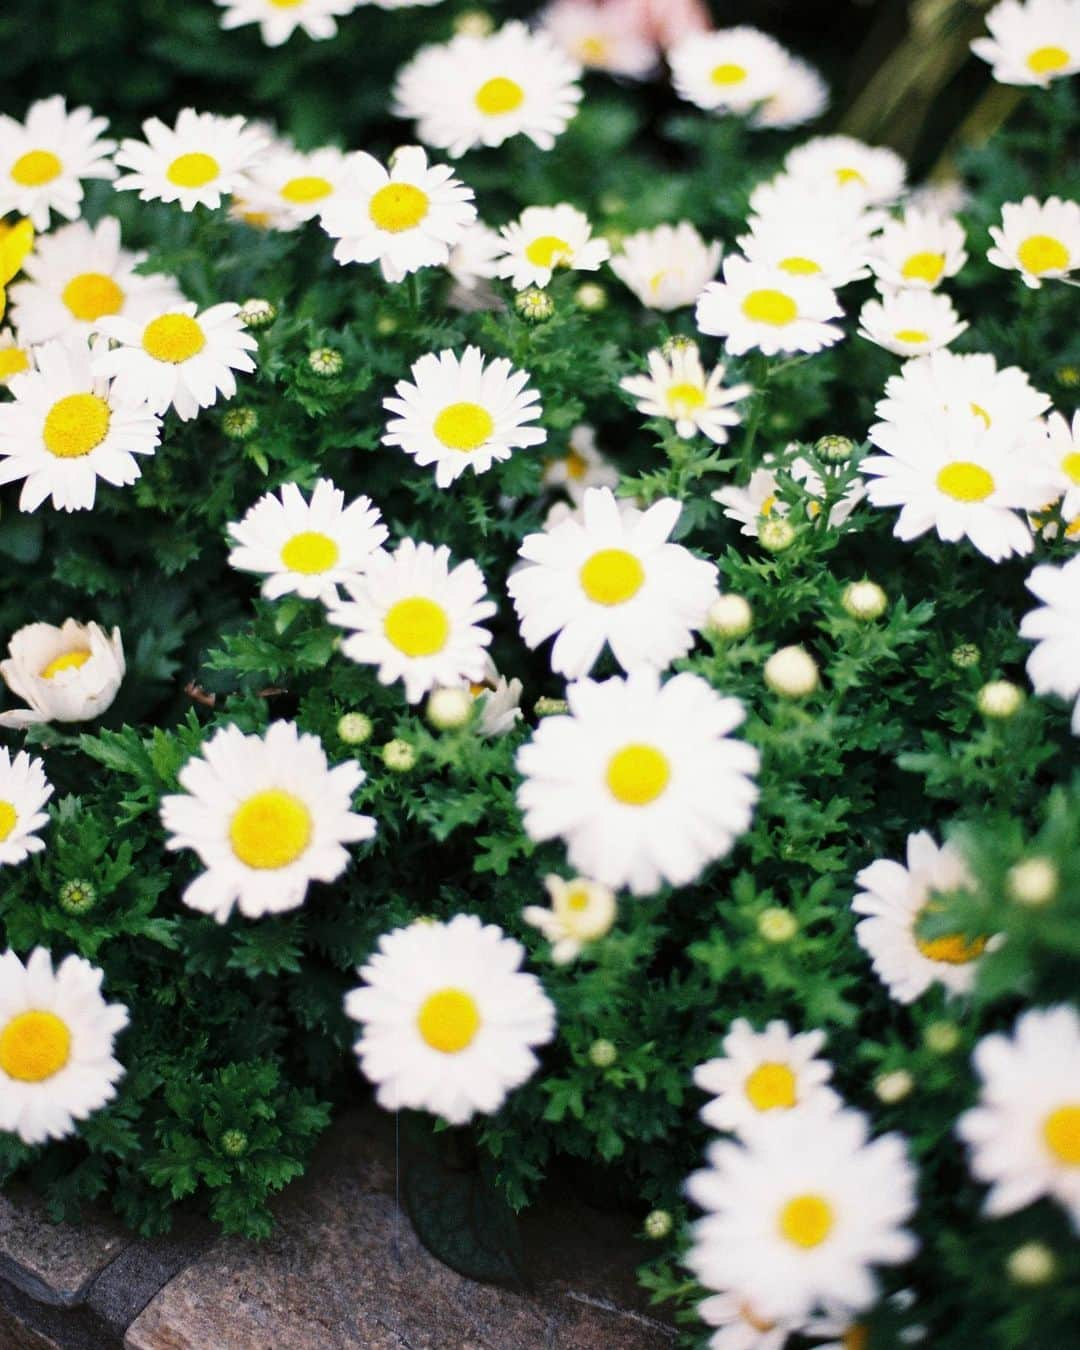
(919, 251)
(740, 1328)
(65, 428)
(784, 198)
(449, 1018)
(279, 19)
(582, 467)
(1059, 449)
(599, 37)
(940, 197)
(952, 474)
(499, 701)
(480, 90)
(66, 674)
(44, 158)
(180, 358)
(1040, 240)
(24, 790)
(582, 911)
(78, 275)
(798, 1213)
(56, 1045)
(404, 218)
(612, 578)
(768, 309)
(471, 264)
(896, 897)
(1054, 665)
(14, 358)
(194, 163)
(729, 70)
(288, 187)
(677, 388)
(666, 267)
(760, 499)
(458, 413)
(807, 246)
(417, 619)
(1032, 43)
(871, 173)
(546, 238)
(1024, 1133)
(266, 817)
(762, 1072)
(642, 781)
(306, 547)
(910, 322)
(801, 96)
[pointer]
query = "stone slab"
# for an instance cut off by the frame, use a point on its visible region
(54, 1263)
(15, 1336)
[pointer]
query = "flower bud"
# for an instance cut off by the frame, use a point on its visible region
(658, 1224)
(891, 1088)
(999, 699)
(602, 1054)
(398, 756)
(730, 616)
(534, 304)
(941, 1037)
(77, 897)
(1034, 881)
(551, 707)
(776, 533)
(835, 448)
(257, 313)
(326, 362)
(474, 22)
(354, 728)
(239, 423)
(777, 924)
(1031, 1263)
(864, 600)
(590, 297)
(234, 1143)
(791, 672)
(965, 656)
(449, 709)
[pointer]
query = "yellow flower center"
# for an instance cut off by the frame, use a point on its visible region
(981, 413)
(397, 207)
(449, 1020)
(287, 4)
(417, 626)
(1070, 465)
(797, 266)
(847, 175)
(728, 73)
(685, 398)
(34, 1046)
(310, 552)
(807, 1220)
(926, 267)
(547, 251)
(8, 818)
(637, 774)
(74, 425)
(911, 335)
(91, 295)
(1041, 253)
(1045, 60)
(35, 168)
(192, 170)
(464, 426)
(173, 338)
(306, 188)
(270, 829)
(13, 361)
(498, 96)
(576, 467)
(770, 1086)
(768, 506)
(857, 1337)
(577, 899)
(770, 307)
(66, 661)
(951, 948)
(1061, 1130)
(611, 576)
(593, 50)
(965, 482)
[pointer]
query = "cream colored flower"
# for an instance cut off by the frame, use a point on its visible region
(66, 674)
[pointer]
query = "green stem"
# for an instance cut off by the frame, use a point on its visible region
(759, 378)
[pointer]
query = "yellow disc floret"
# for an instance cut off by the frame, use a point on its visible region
(92, 295)
(193, 170)
(270, 830)
(464, 426)
(611, 576)
(1061, 1130)
(637, 774)
(8, 819)
(965, 482)
(417, 626)
(768, 306)
(13, 361)
(548, 250)
(911, 335)
(926, 267)
(36, 168)
(771, 1085)
(798, 266)
(34, 1046)
(75, 425)
(306, 188)
(807, 1220)
(685, 398)
(1041, 253)
(1047, 60)
(310, 552)
(397, 207)
(1070, 465)
(498, 96)
(72, 660)
(727, 73)
(449, 1020)
(173, 338)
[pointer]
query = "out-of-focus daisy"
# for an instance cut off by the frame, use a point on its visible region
(180, 358)
(730, 70)
(666, 267)
(952, 474)
(417, 619)
(478, 90)
(806, 246)
(601, 35)
(677, 388)
(761, 1072)
(499, 700)
(785, 198)
(449, 1019)
(918, 251)
(798, 1213)
(288, 186)
(581, 912)
(760, 498)
(738, 1326)
(44, 158)
(1040, 240)
(612, 578)
(1031, 43)
(768, 309)
(895, 897)
(1054, 665)
(279, 19)
(643, 782)
(14, 359)
(65, 428)
(78, 275)
(472, 264)
(1024, 1132)
(404, 218)
(266, 816)
(66, 674)
(458, 413)
(544, 238)
(56, 1045)
(801, 96)
(910, 323)
(24, 790)
(1060, 450)
(871, 172)
(306, 547)
(194, 162)
(582, 467)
